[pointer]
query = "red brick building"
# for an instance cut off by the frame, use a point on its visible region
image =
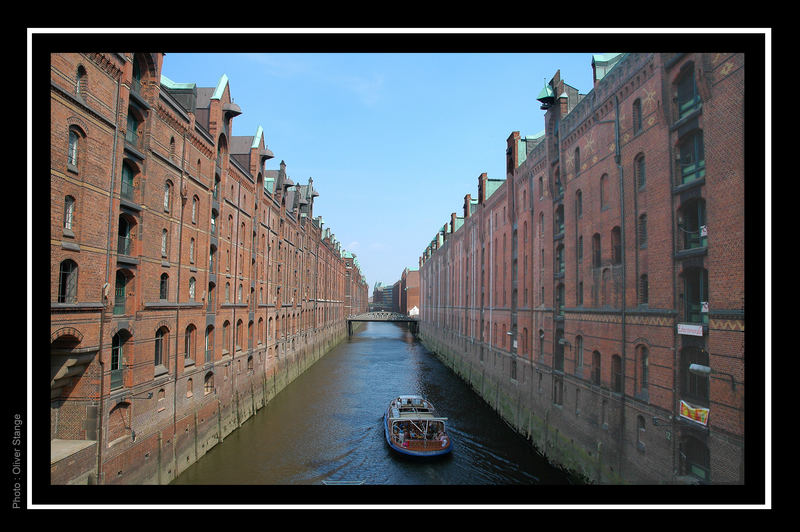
(188, 283)
(595, 294)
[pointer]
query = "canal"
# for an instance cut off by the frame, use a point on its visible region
(326, 426)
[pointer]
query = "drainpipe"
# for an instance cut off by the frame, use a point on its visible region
(103, 291)
(617, 159)
(177, 315)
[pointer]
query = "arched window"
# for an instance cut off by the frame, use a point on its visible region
(161, 355)
(209, 343)
(643, 355)
(596, 251)
(639, 173)
(577, 160)
(190, 342)
(81, 82)
(195, 201)
(191, 250)
(69, 213)
(208, 383)
(119, 292)
(578, 204)
(167, 195)
(637, 116)
(72, 149)
(118, 342)
(191, 288)
(596, 373)
(164, 242)
(579, 352)
(226, 336)
(164, 287)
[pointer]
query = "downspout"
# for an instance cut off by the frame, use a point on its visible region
(107, 283)
(617, 160)
(177, 315)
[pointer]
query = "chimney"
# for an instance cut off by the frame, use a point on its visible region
(482, 188)
(467, 202)
(512, 152)
(453, 222)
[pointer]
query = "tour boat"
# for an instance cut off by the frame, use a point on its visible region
(412, 427)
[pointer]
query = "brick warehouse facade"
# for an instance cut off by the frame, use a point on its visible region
(189, 285)
(575, 294)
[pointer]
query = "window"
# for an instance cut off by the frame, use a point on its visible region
(579, 250)
(213, 222)
(211, 290)
(596, 367)
(161, 347)
(132, 128)
(195, 201)
(208, 383)
(691, 158)
(191, 250)
(126, 186)
(694, 387)
(639, 170)
(687, 99)
(167, 191)
(692, 223)
(119, 293)
(616, 246)
(616, 374)
(117, 345)
(190, 341)
(637, 116)
(559, 220)
(164, 239)
(189, 387)
(644, 370)
(577, 160)
(578, 204)
(696, 295)
(81, 82)
(209, 343)
(642, 231)
(68, 282)
(226, 336)
(695, 459)
(643, 289)
(579, 352)
(72, 150)
(596, 250)
(69, 212)
(191, 288)
(164, 287)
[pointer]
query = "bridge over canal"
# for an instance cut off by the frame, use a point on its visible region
(383, 316)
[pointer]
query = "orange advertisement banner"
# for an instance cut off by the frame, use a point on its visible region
(696, 414)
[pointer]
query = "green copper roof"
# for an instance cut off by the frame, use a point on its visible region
(492, 185)
(168, 83)
(546, 92)
(257, 138)
(223, 81)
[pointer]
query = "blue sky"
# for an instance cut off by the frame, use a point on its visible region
(392, 141)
